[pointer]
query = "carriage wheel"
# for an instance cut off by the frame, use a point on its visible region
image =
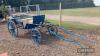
(12, 28)
(36, 36)
(52, 29)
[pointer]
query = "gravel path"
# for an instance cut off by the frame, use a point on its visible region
(81, 19)
(23, 46)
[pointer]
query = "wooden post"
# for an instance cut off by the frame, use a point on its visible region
(27, 8)
(38, 9)
(60, 9)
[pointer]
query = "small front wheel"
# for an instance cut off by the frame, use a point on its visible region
(52, 29)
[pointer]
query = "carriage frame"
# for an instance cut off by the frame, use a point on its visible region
(38, 21)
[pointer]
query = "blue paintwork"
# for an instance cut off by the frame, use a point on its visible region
(37, 20)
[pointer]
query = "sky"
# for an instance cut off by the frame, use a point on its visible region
(97, 2)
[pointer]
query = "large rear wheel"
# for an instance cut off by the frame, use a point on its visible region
(13, 30)
(36, 36)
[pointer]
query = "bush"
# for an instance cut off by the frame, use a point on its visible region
(3, 10)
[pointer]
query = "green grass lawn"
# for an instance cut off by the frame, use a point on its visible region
(75, 25)
(91, 11)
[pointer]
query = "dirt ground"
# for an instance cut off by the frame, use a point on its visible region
(23, 46)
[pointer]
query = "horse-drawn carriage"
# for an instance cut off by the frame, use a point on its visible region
(37, 23)
(31, 23)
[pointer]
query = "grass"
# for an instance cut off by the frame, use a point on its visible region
(75, 25)
(91, 11)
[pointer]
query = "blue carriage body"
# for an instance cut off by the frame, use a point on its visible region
(37, 20)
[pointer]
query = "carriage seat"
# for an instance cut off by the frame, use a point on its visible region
(35, 22)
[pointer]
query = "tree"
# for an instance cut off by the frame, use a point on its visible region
(3, 9)
(17, 3)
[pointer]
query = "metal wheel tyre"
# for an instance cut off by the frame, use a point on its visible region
(12, 29)
(36, 36)
(53, 30)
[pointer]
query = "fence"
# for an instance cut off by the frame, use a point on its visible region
(66, 5)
